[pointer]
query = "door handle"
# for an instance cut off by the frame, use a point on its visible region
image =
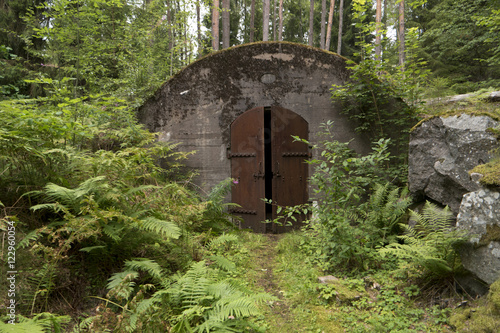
(259, 174)
(277, 174)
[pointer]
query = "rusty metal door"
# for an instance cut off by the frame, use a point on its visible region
(267, 163)
(247, 169)
(290, 171)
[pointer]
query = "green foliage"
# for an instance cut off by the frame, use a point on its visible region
(41, 323)
(373, 98)
(457, 47)
(429, 247)
(480, 317)
(216, 214)
(201, 300)
(492, 22)
(109, 45)
(389, 312)
(346, 227)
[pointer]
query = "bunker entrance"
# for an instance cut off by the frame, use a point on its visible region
(267, 163)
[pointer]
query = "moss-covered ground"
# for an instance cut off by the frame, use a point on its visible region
(376, 303)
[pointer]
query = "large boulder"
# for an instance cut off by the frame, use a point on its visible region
(479, 218)
(442, 151)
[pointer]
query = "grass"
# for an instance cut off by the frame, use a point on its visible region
(378, 303)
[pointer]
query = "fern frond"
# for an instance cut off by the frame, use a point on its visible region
(162, 227)
(219, 192)
(31, 236)
(113, 230)
(141, 188)
(55, 207)
(223, 263)
(211, 325)
(379, 194)
(146, 265)
(222, 240)
(221, 290)
(145, 305)
(430, 243)
(28, 326)
(92, 248)
(52, 322)
(122, 277)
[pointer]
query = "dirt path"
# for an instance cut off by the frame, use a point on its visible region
(275, 266)
(265, 258)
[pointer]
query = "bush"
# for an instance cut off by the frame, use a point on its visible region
(355, 213)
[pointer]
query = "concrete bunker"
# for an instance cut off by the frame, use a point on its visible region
(259, 94)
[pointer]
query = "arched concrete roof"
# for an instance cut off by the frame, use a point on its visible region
(197, 106)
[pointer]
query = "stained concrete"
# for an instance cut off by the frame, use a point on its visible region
(197, 106)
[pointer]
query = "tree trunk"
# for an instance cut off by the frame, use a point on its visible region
(322, 33)
(378, 33)
(225, 24)
(330, 22)
(384, 20)
(311, 21)
(252, 21)
(265, 21)
(402, 34)
(280, 14)
(198, 27)
(215, 26)
(274, 20)
(341, 22)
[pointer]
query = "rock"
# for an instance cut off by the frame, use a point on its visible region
(327, 279)
(442, 151)
(449, 99)
(494, 97)
(479, 217)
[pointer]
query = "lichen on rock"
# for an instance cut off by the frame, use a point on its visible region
(478, 216)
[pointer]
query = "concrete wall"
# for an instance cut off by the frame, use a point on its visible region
(197, 105)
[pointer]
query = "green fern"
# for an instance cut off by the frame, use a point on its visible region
(28, 326)
(223, 242)
(146, 265)
(162, 227)
(211, 305)
(431, 244)
(215, 215)
(71, 198)
(223, 263)
(385, 210)
(41, 323)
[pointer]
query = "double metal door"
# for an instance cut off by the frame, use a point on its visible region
(267, 163)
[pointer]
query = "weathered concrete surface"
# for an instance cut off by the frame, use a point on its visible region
(479, 217)
(442, 151)
(197, 106)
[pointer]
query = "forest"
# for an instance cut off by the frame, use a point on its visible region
(103, 230)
